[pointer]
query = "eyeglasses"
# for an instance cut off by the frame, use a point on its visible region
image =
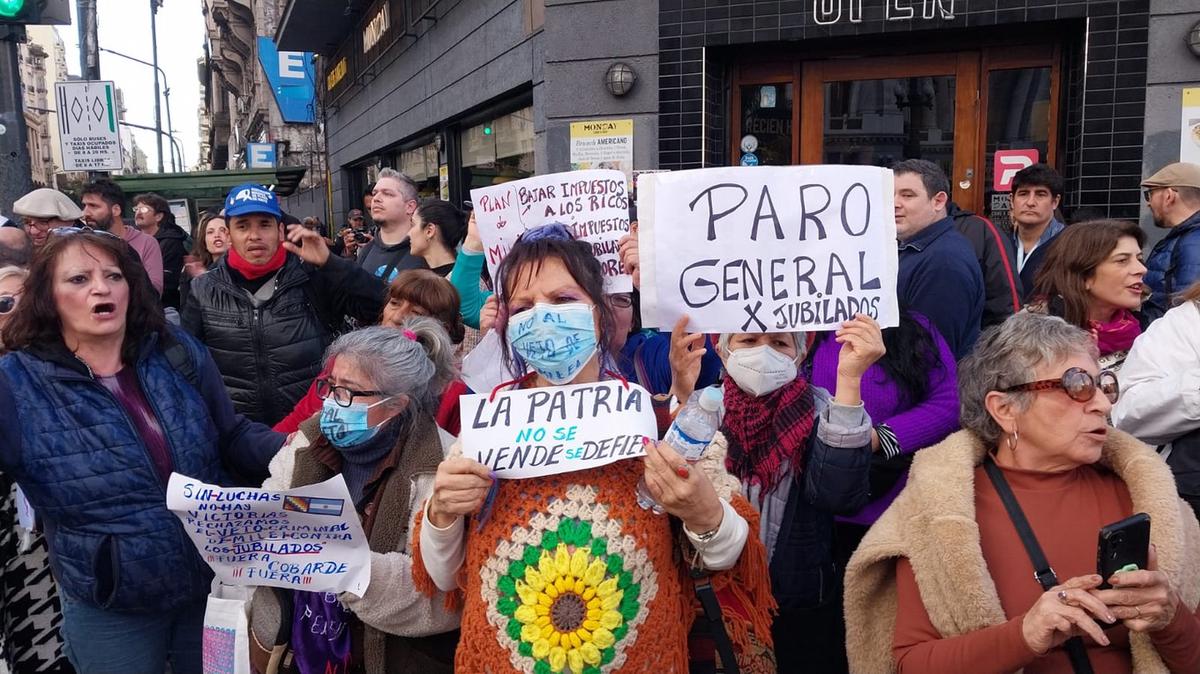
(36, 223)
(1078, 383)
(621, 300)
(70, 231)
(1150, 190)
(8, 303)
(341, 395)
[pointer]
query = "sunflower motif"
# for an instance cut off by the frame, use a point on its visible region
(566, 602)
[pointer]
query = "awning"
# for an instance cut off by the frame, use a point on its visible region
(208, 186)
(317, 25)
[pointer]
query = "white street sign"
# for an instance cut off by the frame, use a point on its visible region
(87, 123)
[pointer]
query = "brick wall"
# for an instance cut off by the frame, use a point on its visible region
(1102, 114)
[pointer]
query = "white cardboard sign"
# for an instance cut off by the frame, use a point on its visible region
(559, 429)
(308, 538)
(767, 248)
(594, 204)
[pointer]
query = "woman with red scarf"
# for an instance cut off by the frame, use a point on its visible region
(1092, 278)
(803, 456)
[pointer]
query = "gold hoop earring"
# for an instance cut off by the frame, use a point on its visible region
(1013, 439)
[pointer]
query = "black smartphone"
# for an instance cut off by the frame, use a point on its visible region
(1123, 546)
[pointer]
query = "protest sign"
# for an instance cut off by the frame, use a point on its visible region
(593, 204)
(768, 249)
(307, 538)
(483, 369)
(545, 431)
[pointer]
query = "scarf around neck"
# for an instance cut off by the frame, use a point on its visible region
(1116, 335)
(767, 432)
(256, 271)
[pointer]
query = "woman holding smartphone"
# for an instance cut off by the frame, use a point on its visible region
(943, 582)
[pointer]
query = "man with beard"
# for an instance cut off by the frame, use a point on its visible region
(1173, 195)
(103, 206)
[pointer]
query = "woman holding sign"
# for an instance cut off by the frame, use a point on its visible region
(802, 456)
(99, 403)
(377, 430)
(565, 572)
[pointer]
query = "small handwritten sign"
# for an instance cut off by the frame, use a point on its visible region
(768, 248)
(593, 204)
(545, 431)
(308, 538)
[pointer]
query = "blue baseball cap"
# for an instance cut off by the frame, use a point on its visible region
(252, 198)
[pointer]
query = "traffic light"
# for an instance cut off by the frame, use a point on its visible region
(34, 12)
(19, 11)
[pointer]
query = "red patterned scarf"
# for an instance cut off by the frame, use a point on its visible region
(765, 433)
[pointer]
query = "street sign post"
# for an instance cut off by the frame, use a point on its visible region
(88, 129)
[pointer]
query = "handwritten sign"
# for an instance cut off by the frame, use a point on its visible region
(594, 204)
(308, 538)
(768, 249)
(545, 431)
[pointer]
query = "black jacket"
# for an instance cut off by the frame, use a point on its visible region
(1002, 287)
(172, 241)
(268, 355)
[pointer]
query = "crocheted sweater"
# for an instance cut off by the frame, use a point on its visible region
(568, 574)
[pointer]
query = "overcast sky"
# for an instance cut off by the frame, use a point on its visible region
(124, 26)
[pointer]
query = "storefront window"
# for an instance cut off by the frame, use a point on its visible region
(881, 122)
(766, 125)
(421, 164)
(1018, 119)
(499, 150)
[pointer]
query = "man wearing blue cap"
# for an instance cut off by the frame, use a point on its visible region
(269, 308)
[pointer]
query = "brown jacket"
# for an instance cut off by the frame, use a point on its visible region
(932, 523)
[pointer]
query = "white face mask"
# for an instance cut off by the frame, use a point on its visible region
(760, 370)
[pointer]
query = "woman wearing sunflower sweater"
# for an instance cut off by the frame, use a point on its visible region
(566, 573)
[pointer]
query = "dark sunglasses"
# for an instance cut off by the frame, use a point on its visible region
(7, 304)
(1078, 383)
(70, 231)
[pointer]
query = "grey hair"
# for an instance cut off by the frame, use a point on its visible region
(1009, 355)
(407, 185)
(397, 364)
(13, 270)
(799, 338)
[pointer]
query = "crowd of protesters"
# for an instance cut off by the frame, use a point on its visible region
(852, 514)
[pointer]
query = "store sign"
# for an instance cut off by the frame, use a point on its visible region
(336, 74)
(260, 155)
(1007, 164)
(603, 144)
(1189, 130)
(377, 27)
(292, 76)
(827, 12)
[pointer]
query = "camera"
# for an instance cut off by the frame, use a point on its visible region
(360, 237)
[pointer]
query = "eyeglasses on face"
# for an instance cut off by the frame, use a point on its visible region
(341, 395)
(1078, 383)
(37, 223)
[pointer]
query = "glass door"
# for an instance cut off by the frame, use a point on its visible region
(880, 111)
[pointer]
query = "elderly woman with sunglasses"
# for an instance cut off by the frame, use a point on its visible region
(943, 582)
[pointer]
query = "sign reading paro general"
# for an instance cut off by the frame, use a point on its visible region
(768, 249)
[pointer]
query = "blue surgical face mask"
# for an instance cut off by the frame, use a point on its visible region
(347, 426)
(557, 340)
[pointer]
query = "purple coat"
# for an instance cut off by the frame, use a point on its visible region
(916, 426)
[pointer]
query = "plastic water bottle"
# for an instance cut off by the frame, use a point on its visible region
(689, 435)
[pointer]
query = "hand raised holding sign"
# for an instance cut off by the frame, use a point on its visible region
(630, 258)
(862, 345)
(687, 352)
(459, 488)
(682, 490)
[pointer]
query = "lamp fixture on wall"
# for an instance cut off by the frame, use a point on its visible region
(1193, 39)
(619, 79)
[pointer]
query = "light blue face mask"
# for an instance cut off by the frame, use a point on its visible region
(347, 426)
(557, 340)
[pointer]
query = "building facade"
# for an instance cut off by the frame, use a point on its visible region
(238, 103)
(462, 94)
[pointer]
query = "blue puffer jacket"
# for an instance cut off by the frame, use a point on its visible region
(71, 446)
(1173, 265)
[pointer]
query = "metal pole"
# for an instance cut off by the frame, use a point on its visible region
(17, 178)
(170, 129)
(89, 44)
(157, 99)
(166, 84)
